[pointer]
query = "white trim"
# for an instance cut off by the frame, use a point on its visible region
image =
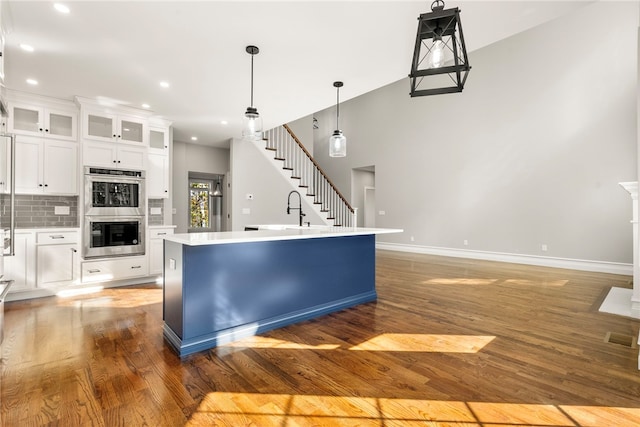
(572, 264)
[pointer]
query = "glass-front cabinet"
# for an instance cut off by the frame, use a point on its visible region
(42, 121)
(113, 128)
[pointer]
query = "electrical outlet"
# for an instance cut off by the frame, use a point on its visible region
(465, 242)
(412, 239)
(382, 213)
(544, 247)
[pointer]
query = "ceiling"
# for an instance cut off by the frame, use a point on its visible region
(121, 50)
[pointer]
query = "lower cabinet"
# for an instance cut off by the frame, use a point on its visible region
(114, 269)
(57, 258)
(21, 267)
(156, 242)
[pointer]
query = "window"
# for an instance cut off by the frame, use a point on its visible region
(205, 203)
(200, 205)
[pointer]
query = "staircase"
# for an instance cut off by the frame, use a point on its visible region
(306, 174)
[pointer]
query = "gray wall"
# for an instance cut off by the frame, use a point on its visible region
(192, 158)
(530, 153)
(252, 173)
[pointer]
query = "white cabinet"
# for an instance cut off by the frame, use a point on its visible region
(158, 176)
(106, 127)
(156, 243)
(114, 155)
(46, 166)
(114, 269)
(159, 139)
(35, 120)
(57, 258)
(5, 164)
(22, 266)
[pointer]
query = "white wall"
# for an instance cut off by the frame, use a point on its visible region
(192, 158)
(252, 173)
(530, 153)
(303, 129)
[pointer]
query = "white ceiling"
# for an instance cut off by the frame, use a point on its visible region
(121, 50)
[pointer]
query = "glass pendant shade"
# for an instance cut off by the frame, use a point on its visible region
(252, 125)
(337, 144)
(217, 192)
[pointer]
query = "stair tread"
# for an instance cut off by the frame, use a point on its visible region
(279, 158)
(287, 168)
(271, 148)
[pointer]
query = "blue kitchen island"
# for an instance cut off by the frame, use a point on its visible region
(220, 287)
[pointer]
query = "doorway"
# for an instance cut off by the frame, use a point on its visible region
(205, 203)
(363, 195)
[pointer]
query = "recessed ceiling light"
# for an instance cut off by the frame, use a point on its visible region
(146, 106)
(32, 82)
(61, 8)
(26, 47)
(164, 84)
(224, 122)
(194, 138)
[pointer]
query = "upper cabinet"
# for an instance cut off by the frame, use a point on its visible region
(44, 121)
(108, 127)
(159, 139)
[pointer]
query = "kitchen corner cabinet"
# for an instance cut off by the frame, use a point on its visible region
(57, 255)
(156, 243)
(21, 267)
(106, 270)
(107, 127)
(46, 166)
(114, 155)
(33, 120)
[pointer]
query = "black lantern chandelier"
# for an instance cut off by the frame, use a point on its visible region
(440, 63)
(252, 123)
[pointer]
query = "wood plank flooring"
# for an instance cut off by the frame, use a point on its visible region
(449, 342)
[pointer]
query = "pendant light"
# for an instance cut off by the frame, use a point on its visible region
(252, 122)
(337, 142)
(440, 63)
(217, 192)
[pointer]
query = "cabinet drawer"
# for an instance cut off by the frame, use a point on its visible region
(56, 237)
(116, 269)
(159, 233)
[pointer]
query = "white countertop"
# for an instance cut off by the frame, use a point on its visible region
(274, 232)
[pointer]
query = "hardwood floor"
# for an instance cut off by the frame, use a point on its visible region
(449, 342)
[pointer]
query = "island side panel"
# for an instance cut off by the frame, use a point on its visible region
(172, 304)
(230, 285)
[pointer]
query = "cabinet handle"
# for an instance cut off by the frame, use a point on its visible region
(57, 236)
(161, 234)
(115, 161)
(46, 185)
(74, 250)
(46, 130)
(114, 135)
(94, 270)
(136, 266)
(41, 129)
(118, 161)
(39, 185)
(119, 136)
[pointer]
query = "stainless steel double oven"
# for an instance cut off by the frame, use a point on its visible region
(115, 209)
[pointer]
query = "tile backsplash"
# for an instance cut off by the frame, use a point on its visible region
(156, 219)
(38, 211)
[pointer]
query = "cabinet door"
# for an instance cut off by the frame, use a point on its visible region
(26, 119)
(97, 154)
(29, 162)
(56, 264)
(61, 124)
(61, 167)
(99, 126)
(131, 157)
(5, 164)
(158, 140)
(131, 129)
(158, 176)
(21, 267)
(155, 256)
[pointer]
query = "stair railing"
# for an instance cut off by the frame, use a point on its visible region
(303, 167)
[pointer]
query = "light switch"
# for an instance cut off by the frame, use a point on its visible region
(246, 211)
(172, 264)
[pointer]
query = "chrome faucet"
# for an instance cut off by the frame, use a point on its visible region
(299, 208)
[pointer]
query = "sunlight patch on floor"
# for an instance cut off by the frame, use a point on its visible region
(266, 342)
(283, 409)
(431, 343)
(459, 281)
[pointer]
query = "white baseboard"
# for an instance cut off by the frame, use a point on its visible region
(572, 264)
